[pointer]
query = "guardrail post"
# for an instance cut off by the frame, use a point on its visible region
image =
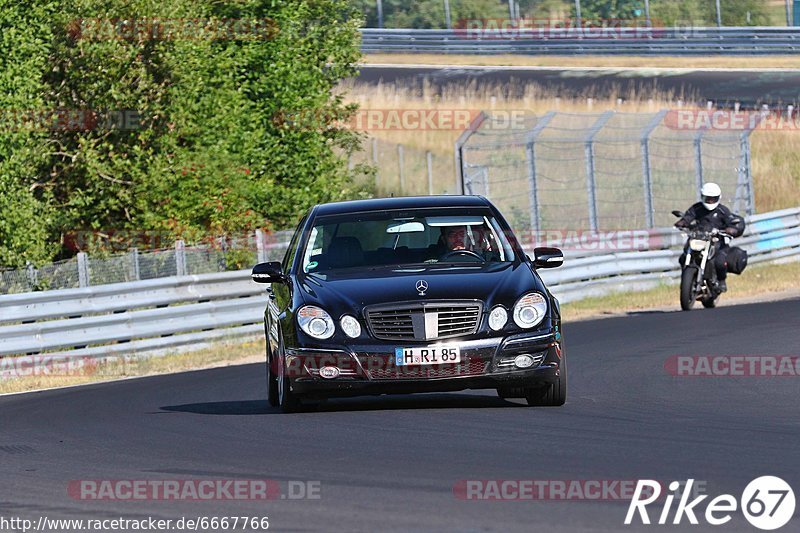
(180, 258)
(135, 264)
(591, 183)
(649, 209)
(261, 248)
(83, 269)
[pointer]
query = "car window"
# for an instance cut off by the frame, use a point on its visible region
(288, 258)
(402, 238)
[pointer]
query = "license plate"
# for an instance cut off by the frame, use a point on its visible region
(428, 355)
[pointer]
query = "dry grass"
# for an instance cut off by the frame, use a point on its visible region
(222, 354)
(776, 155)
(763, 281)
(644, 62)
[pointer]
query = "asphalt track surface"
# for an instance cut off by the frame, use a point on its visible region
(750, 88)
(391, 463)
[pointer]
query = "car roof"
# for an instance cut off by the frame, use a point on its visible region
(407, 202)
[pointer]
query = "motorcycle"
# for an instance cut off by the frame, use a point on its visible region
(699, 259)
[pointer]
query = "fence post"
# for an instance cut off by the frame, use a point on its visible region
(459, 155)
(746, 175)
(83, 270)
(261, 248)
(375, 160)
(135, 264)
(591, 183)
(698, 161)
(180, 258)
(401, 164)
(33, 276)
(429, 159)
(649, 208)
(533, 190)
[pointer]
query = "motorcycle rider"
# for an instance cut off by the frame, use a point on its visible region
(710, 214)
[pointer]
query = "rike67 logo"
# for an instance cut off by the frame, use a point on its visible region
(767, 502)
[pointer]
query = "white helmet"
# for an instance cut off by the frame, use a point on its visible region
(710, 195)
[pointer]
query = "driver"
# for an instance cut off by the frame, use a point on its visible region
(455, 238)
(710, 214)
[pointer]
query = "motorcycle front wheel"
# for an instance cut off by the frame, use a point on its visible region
(688, 284)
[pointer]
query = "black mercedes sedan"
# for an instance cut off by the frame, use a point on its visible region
(404, 295)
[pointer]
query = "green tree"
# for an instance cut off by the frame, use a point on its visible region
(206, 153)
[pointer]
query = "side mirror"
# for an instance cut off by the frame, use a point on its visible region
(268, 273)
(677, 213)
(548, 257)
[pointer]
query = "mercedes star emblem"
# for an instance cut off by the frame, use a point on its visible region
(422, 286)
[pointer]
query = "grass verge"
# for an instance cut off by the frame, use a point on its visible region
(764, 282)
(88, 371)
(760, 282)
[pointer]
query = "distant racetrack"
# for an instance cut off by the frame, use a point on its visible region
(391, 464)
(724, 87)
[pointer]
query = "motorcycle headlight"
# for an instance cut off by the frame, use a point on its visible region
(530, 310)
(698, 245)
(350, 326)
(315, 322)
(498, 318)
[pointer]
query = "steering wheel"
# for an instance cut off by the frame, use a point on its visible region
(466, 253)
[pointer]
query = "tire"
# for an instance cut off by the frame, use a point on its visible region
(552, 395)
(272, 384)
(710, 302)
(688, 282)
(287, 400)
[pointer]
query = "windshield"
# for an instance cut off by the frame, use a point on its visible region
(410, 237)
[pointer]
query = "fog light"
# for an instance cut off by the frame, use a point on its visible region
(329, 372)
(523, 361)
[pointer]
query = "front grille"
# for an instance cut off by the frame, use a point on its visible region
(424, 321)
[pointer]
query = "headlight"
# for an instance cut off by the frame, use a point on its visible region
(498, 318)
(698, 245)
(315, 322)
(350, 326)
(530, 310)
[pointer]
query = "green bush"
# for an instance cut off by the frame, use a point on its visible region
(204, 154)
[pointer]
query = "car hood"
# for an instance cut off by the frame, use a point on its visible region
(349, 291)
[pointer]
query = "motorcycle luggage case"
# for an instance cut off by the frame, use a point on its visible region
(737, 260)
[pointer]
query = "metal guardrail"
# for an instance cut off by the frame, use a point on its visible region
(153, 316)
(573, 41)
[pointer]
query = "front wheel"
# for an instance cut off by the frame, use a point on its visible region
(287, 400)
(553, 395)
(272, 383)
(688, 284)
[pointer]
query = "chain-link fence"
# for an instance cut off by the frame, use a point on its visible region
(403, 170)
(604, 171)
(134, 265)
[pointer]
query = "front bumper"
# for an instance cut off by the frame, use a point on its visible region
(369, 368)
